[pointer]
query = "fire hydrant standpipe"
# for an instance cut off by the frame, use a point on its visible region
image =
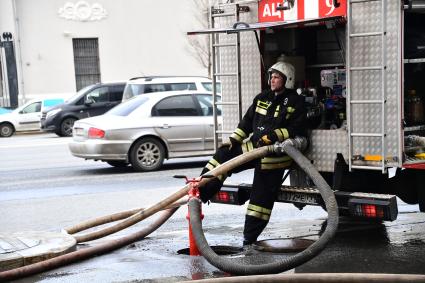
(227, 265)
(193, 193)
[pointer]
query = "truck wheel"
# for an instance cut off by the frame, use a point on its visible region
(147, 155)
(6, 130)
(66, 127)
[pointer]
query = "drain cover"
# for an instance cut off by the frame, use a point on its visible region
(23, 248)
(283, 245)
(220, 250)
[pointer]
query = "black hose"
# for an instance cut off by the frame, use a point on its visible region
(227, 265)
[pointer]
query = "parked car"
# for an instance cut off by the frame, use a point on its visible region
(90, 101)
(4, 110)
(141, 85)
(147, 129)
(26, 117)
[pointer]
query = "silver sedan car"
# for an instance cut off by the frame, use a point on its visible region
(147, 129)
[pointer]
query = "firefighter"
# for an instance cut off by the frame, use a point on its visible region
(275, 115)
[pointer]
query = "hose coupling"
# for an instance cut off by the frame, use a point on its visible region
(298, 142)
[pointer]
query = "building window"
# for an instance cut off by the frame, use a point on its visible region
(86, 61)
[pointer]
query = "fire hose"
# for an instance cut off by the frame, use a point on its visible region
(142, 214)
(134, 216)
(137, 216)
(82, 254)
(227, 265)
(320, 277)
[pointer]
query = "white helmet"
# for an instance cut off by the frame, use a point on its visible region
(285, 69)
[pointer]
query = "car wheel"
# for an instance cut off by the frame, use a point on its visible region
(59, 133)
(66, 127)
(6, 130)
(116, 163)
(147, 155)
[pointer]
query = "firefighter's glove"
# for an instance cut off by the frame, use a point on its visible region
(231, 143)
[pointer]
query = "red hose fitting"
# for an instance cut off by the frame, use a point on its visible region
(193, 193)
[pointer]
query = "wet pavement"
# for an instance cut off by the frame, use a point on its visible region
(43, 188)
(359, 247)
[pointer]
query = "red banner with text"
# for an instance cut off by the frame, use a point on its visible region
(302, 9)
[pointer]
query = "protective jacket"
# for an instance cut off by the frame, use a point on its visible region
(279, 116)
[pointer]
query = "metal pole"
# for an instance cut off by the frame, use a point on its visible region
(238, 68)
(3, 78)
(383, 81)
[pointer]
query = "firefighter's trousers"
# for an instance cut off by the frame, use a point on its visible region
(264, 188)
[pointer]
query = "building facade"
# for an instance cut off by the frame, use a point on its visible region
(62, 46)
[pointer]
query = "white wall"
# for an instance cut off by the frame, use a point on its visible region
(136, 38)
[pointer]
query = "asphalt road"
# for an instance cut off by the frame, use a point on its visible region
(44, 188)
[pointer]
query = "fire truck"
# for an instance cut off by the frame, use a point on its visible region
(360, 64)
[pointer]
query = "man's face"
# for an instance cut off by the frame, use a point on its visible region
(276, 82)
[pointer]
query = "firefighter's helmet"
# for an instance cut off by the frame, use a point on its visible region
(285, 69)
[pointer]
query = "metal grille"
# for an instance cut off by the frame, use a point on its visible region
(86, 61)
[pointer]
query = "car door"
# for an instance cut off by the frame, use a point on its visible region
(115, 95)
(176, 120)
(205, 102)
(29, 117)
(96, 102)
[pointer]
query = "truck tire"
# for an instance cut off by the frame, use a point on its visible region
(147, 154)
(6, 130)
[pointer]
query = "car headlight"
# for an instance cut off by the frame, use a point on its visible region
(53, 112)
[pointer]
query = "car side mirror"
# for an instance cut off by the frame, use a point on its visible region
(88, 101)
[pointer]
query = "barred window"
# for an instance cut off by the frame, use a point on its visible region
(86, 61)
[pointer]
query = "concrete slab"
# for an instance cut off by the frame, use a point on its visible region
(23, 248)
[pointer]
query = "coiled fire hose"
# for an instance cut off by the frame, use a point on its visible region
(138, 215)
(225, 264)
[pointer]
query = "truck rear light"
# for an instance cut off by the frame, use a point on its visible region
(95, 133)
(231, 195)
(225, 197)
(369, 210)
(378, 209)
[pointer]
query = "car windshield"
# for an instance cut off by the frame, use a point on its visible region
(125, 108)
(78, 94)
